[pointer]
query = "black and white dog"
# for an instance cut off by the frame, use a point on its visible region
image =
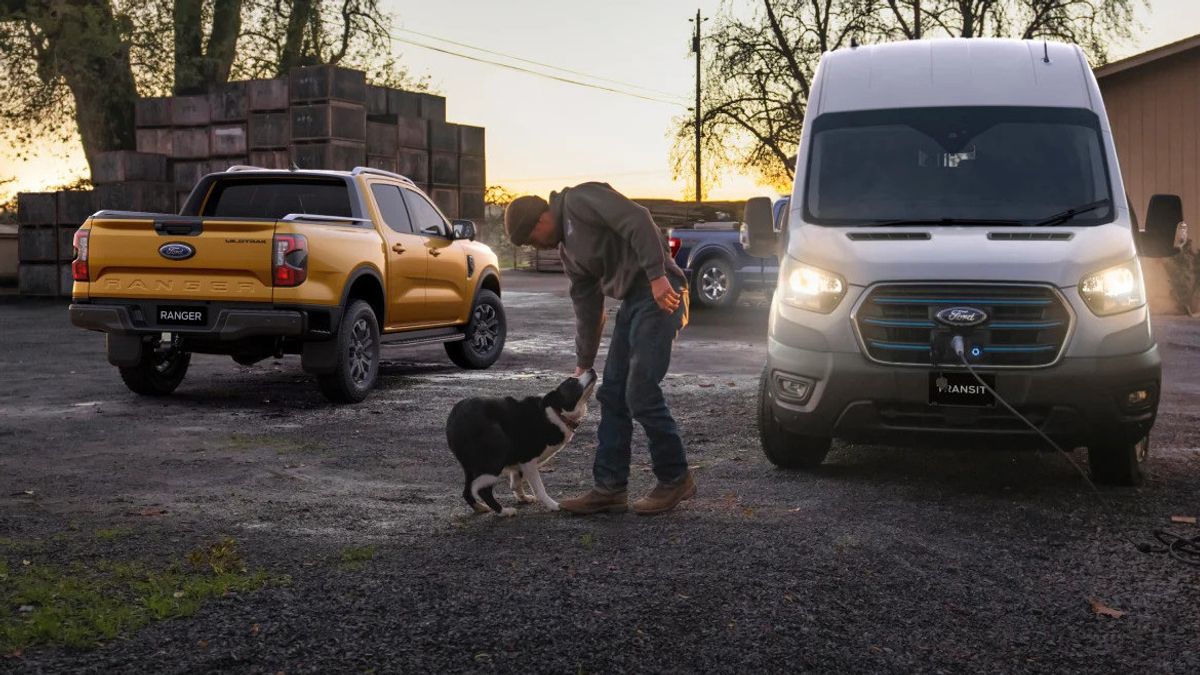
(492, 437)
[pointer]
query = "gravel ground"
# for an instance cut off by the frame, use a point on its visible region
(886, 560)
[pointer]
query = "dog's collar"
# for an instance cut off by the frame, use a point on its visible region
(557, 419)
(570, 424)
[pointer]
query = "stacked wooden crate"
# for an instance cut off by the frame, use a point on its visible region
(46, 230)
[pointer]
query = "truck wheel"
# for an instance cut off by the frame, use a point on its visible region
(357, 366)
(717, 285)
(783, 448)
(1118, 462)
(157, 374)
(485, 334)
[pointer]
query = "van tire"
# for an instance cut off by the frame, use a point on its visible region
(717, 285)
(357, 360)
(1118, 462)
(156, 374)
(485, 334)
(783, 448)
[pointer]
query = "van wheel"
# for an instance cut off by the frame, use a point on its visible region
(717, 285)
(1118, 462)
(783, 448)
(357, 367)
(158, 373)
(485, 334)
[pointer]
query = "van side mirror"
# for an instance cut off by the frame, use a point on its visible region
(1165, 232)
(463, 229)
(758, 235)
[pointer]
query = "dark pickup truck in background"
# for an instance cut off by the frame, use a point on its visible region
(716, 263)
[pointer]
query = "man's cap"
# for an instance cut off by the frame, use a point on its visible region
(521, 216)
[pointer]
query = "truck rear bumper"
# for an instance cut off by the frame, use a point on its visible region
(226, 323)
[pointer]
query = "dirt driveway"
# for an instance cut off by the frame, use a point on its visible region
(950, 559)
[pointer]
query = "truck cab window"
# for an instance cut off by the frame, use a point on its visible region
(392, 208)
(424, 215)
(274, 198)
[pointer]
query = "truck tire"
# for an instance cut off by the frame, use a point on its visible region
(485, 334)
(783, 448)
(357, 367)
(716, 284)
(157, 374)
(1118, 462)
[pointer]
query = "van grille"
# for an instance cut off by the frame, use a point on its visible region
(1026, 325)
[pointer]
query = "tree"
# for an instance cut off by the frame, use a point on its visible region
(759, 69)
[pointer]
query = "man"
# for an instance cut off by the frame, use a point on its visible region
(611, 247)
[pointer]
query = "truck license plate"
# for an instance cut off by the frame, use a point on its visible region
(177, 315)
(960, 389)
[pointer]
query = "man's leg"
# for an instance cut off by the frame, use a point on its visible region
(610, 470)
(652, 337)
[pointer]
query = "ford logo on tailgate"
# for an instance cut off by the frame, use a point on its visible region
(962, 316)
(176, 250)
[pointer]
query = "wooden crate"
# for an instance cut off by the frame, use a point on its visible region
(37, 243)
(228, 103)
(325, 121)
(382, 139)
(123, 165)
(38, 279)
(270, 130)
(413, 132)
(414, 164)
(66, 242)
(470, 203)
(334, 155)
(148, 196)
(470, 140)
(328, 83)
(37, 208)
(270, 159)
(66, 280)
(185, 175)
(189, 143)
(446, 199)
(227, 140)
(154, 141)
(443, 136)
(433, 107)
(470, 171)
(75, 206)
(443, 168)
(544, 260)
(264, 95)
(219, 164)
(152, 112)
(190, 111)
(377, 100)
(385, 162)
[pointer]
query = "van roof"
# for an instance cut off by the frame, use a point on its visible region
(958, 71)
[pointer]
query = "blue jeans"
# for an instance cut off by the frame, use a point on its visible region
(638, 358)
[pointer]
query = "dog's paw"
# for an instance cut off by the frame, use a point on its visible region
(507, 512)
(480, 508)
(552, 505)
(526, 499)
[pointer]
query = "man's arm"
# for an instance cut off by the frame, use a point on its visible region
(589, 319)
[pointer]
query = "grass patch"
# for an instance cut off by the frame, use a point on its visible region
(587, 540)
(354, 557)
(81, 605)
(112, 533)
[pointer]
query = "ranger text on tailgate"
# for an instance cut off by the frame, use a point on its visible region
(325, 264)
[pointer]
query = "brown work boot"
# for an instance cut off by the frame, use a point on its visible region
(596, 501)
(665, 497)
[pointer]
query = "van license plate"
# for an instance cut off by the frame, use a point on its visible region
(175, 315)
(960, 389)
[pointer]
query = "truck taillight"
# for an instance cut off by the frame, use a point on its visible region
(289, 264)
(675, 243)
(79, 263)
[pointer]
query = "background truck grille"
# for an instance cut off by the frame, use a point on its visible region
(1026, 325)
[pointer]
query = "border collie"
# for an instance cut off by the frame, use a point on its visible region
(494, 437)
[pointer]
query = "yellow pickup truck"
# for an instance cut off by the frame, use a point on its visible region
(329, 265)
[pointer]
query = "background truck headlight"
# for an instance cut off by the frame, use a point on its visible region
(1114, 290)
(808, 287)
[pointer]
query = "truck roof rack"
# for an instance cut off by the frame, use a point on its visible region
(380, 172)
(319, 217)
(244, 167)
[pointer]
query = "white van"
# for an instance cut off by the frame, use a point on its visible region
(958, 206)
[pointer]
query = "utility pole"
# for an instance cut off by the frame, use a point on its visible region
(916, 19)
(696, 51)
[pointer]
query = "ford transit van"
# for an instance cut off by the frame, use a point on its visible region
(958, 206)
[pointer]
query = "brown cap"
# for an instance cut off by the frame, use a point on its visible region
(521, 216)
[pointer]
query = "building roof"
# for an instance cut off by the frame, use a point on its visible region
(1138, 60)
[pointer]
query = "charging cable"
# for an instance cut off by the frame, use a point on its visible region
(1183, 549)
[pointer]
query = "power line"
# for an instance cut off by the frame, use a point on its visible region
(528, 71)
(543, 65)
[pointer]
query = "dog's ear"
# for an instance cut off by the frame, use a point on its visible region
(553, 400)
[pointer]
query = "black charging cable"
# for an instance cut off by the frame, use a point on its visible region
(1183, 549)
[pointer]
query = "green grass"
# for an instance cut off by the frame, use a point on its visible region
(112, 533)
(354, 557)
(82, 605)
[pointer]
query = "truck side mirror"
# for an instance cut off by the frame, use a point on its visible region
(463, 229)
(1165, 232)
(758, 235)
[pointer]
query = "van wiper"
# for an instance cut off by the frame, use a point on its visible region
(983, 222)
(1064, 216)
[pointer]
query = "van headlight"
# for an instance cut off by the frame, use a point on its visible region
(1114, 290)
(808, 287)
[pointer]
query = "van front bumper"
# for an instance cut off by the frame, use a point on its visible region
(1074, 401)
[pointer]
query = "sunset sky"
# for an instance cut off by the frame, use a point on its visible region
(543, 134)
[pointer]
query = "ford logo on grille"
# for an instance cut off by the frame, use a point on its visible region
(962, 316)
(176, 251)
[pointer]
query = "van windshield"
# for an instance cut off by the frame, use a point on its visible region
(941, 165)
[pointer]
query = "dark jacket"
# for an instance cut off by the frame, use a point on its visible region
(610, 246)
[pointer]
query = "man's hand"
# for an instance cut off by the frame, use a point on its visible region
(580, 371)
(665, 295)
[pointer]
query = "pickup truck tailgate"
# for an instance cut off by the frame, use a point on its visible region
(181, 258)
